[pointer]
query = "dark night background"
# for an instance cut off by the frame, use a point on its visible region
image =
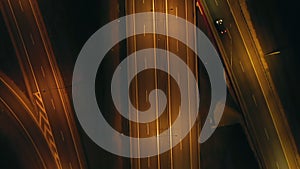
(70, 24)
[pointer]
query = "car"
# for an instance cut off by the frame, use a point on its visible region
(220, 26)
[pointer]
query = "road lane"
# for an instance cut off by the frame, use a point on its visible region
(260, 110)
(43, 80)
(186, 153)
(18, 111)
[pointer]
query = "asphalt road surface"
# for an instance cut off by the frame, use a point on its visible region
(186, 153)
(21, 128)
(255, 92)
(43, 81)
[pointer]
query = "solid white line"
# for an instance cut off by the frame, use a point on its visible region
(176, 12)
(169, 85)
(136, 88)
(70, 165)
(24, 129)
(177, 45)
(23, 45)
(66, 110)
(144, 30)
(21, 6)
(242, 67)
(20, 99)
(155, 79)
(188, 81)
(263, 89)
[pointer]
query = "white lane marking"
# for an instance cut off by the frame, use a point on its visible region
(148, 130)
(53, 105)
(216, 1)
(229, 34)
(231, 46)
(43, 72)
(62, 135)
(21, 6)
(277, 165)
(168, 83)
(143, 1)
(180, 144)
(149, 162)
(23, 43)
(267, 134)
(32, 40)
(146, 95)
(20, 122)
(242, 67)
(254, 99)
(70, 165)
(231, 60)
(176, 12)
(157, 122)
(177, 45)
(144, 30)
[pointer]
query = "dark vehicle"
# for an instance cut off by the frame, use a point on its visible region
(220, 26)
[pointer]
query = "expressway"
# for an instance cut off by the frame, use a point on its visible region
(18, 124)
(256, 94)
(186, 153)
(43, 81)
(45, 87)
